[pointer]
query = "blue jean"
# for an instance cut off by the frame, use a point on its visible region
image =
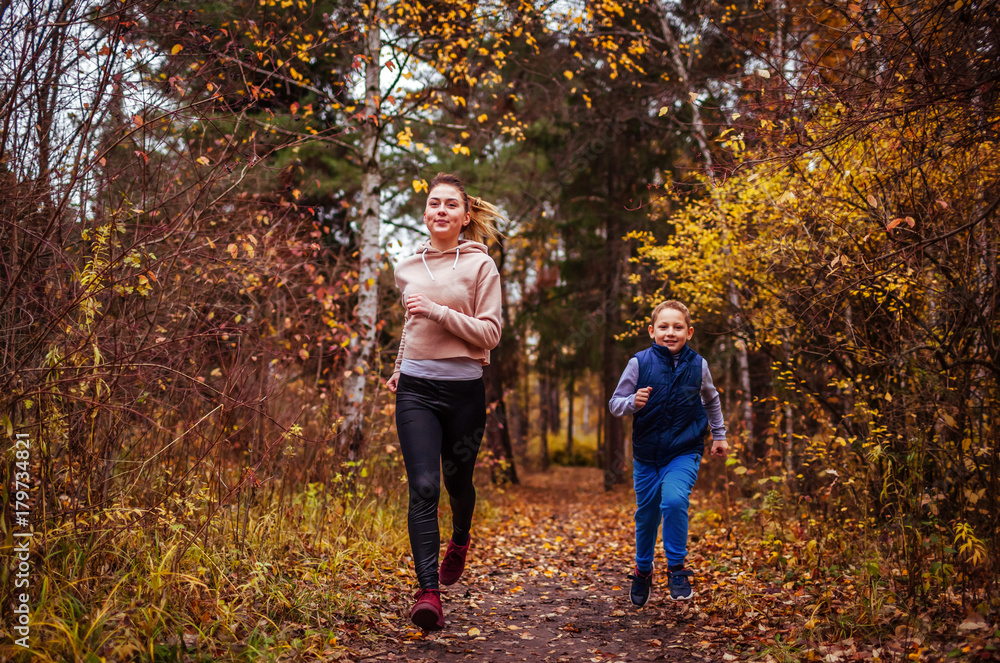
(662, 493)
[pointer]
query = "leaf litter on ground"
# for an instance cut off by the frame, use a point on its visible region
(546, 581)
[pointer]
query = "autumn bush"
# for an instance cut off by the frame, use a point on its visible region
(862, 237)
(174, 321)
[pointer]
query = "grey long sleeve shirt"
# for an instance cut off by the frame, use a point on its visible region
(623, 400)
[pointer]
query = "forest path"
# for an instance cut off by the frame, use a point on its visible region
(548, 584)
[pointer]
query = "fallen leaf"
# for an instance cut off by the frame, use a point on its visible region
(973, 622)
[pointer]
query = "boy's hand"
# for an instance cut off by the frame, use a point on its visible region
(642, 397)
(719, 447)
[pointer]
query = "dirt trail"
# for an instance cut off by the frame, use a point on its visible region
(548, 585)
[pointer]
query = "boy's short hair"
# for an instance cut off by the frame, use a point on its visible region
(674, 304)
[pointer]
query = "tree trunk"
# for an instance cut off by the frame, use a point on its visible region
(555, 407)
(525, 414)
(496, 375)
(569, 421)
(497, 427)
(701, 137)
(614, 441)
(543, 420)
(789, 447)
(366, 311)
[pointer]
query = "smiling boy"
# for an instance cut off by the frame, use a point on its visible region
(669, 391)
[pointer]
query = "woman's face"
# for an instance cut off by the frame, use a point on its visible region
(445, 216)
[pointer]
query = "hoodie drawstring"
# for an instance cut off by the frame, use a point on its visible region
(423, 258)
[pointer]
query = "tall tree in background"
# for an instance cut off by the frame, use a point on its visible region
(670, 27)
(369, 258)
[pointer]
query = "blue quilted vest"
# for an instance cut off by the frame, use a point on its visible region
(673, 422)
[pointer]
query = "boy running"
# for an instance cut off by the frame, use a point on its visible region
(669, 391)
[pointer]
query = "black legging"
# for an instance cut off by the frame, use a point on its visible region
(440, 426)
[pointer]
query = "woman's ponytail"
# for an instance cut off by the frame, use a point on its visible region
(482, 225)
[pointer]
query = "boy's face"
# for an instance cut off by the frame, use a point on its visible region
(670, 330)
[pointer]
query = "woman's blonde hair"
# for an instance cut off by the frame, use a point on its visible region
(481, 227)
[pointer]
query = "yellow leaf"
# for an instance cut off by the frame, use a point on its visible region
(232, 250)
(419, 185)
(474, 631)
(176, 49)
(663, 111)
(482, 118)
(568, 74)
(763, 73)
(303, 354)
(740, 470)
(203, 160)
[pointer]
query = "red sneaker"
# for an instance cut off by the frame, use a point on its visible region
(453, 563)
(427, 612)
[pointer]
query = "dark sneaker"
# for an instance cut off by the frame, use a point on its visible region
(641, 583)
(453, 563)
(680, 586)
(427, 612)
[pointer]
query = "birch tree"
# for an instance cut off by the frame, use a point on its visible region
(669, 37)
(369, 257)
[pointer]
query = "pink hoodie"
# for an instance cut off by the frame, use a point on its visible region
(464, 284)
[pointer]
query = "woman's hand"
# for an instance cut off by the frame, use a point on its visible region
(719, 447)
(393, 382)
(419, 304)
